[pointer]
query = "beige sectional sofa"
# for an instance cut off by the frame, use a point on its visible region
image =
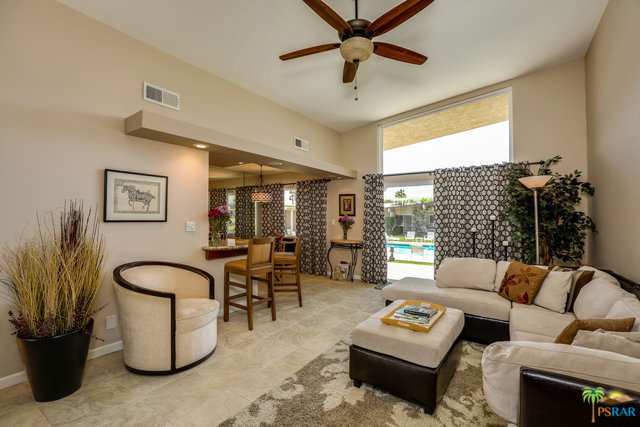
(526, 333)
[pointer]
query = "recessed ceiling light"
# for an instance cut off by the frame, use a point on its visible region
(339, 177)
(276, 163)
(241, 163)
(200, 145)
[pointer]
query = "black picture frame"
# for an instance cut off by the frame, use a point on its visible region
(134, 197)
(347, 204)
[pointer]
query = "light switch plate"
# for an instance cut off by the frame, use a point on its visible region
(112, 322)
(191, 226)
(333, 222)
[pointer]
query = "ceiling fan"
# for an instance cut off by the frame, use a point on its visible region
(356, 35)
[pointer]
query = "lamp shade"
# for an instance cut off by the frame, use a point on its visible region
(535, 181)
(261, 196)
(356, 49)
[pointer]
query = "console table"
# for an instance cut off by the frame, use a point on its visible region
(353, 246)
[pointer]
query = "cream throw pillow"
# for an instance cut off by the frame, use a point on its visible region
(596, 299)
(629, 306)
(554, 291)
(601, 340)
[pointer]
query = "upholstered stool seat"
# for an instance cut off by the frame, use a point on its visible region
(414, 365)
(168, 315)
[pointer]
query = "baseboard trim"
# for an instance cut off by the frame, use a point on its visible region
(19, 377)
(105, 349)
(13, 379)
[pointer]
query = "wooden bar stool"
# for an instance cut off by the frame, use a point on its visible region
(288, 264)
(259, 261)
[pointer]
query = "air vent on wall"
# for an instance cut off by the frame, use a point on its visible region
(161, 96)
(300, 144)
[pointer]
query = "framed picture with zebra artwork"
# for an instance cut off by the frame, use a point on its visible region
(134, 197)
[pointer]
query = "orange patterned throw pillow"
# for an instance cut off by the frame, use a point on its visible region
(522, 282)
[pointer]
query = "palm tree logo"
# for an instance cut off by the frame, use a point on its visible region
(592, 395)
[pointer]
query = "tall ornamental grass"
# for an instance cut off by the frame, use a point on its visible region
(53, 277)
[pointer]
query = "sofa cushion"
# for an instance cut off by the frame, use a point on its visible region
(194, 313)
(422, 348)
(471, 301)
(554, 291)
(569, 333)
(501, 363)
(522, 282)
(629, 306)
(596, 299)
(599, 274)
(471, 273)
(501, 270)
(601, 340)
(537, 323)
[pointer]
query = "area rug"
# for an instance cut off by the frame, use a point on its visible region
(321, 394)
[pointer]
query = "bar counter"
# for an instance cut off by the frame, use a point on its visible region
(223, 250)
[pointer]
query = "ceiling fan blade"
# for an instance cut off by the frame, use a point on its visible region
(329, 16)
(349, 72)
(396, 16)
(398, 53)
(309, 51)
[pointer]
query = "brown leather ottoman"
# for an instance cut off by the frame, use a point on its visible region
(416, 366)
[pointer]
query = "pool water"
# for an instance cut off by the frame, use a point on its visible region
(405, 249)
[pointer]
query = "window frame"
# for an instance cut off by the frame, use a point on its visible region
(508, 90)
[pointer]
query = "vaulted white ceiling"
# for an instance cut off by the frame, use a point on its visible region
(470, 44)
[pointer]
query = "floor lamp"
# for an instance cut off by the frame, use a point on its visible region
(534, 183)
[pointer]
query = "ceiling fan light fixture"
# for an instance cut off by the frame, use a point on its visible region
(356, 49)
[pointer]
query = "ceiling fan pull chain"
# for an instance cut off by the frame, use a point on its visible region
(356, 9)
(356, 88)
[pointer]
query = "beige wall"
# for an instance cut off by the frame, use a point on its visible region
(613, 111)
(66, 84)
(549, 118)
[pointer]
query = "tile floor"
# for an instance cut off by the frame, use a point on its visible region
(245, 365)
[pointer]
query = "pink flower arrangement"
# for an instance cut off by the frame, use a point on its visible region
(218, 218)
(346, 222)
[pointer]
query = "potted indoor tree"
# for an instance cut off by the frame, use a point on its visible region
(52, 280)
(563, 227)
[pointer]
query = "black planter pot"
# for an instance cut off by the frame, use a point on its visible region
(55, 365)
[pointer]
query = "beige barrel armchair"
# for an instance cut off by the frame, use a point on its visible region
(168, 316)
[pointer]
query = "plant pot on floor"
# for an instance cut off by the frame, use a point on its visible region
(55, 365)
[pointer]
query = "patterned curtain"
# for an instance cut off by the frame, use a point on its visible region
(217, 197)
(374, 252)
(273, 212)
(311, 223)
(465, 198)
(245, 213)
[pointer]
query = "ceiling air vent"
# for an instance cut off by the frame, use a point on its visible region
(300, 144)
(161, 96)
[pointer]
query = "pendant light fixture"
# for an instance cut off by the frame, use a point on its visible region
(261, 195)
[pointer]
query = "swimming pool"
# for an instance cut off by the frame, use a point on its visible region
(405, 248)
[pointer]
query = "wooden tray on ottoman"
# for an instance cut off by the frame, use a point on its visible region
(414, 326)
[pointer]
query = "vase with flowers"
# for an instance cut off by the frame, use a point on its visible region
(346, 222)
(218, 219)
